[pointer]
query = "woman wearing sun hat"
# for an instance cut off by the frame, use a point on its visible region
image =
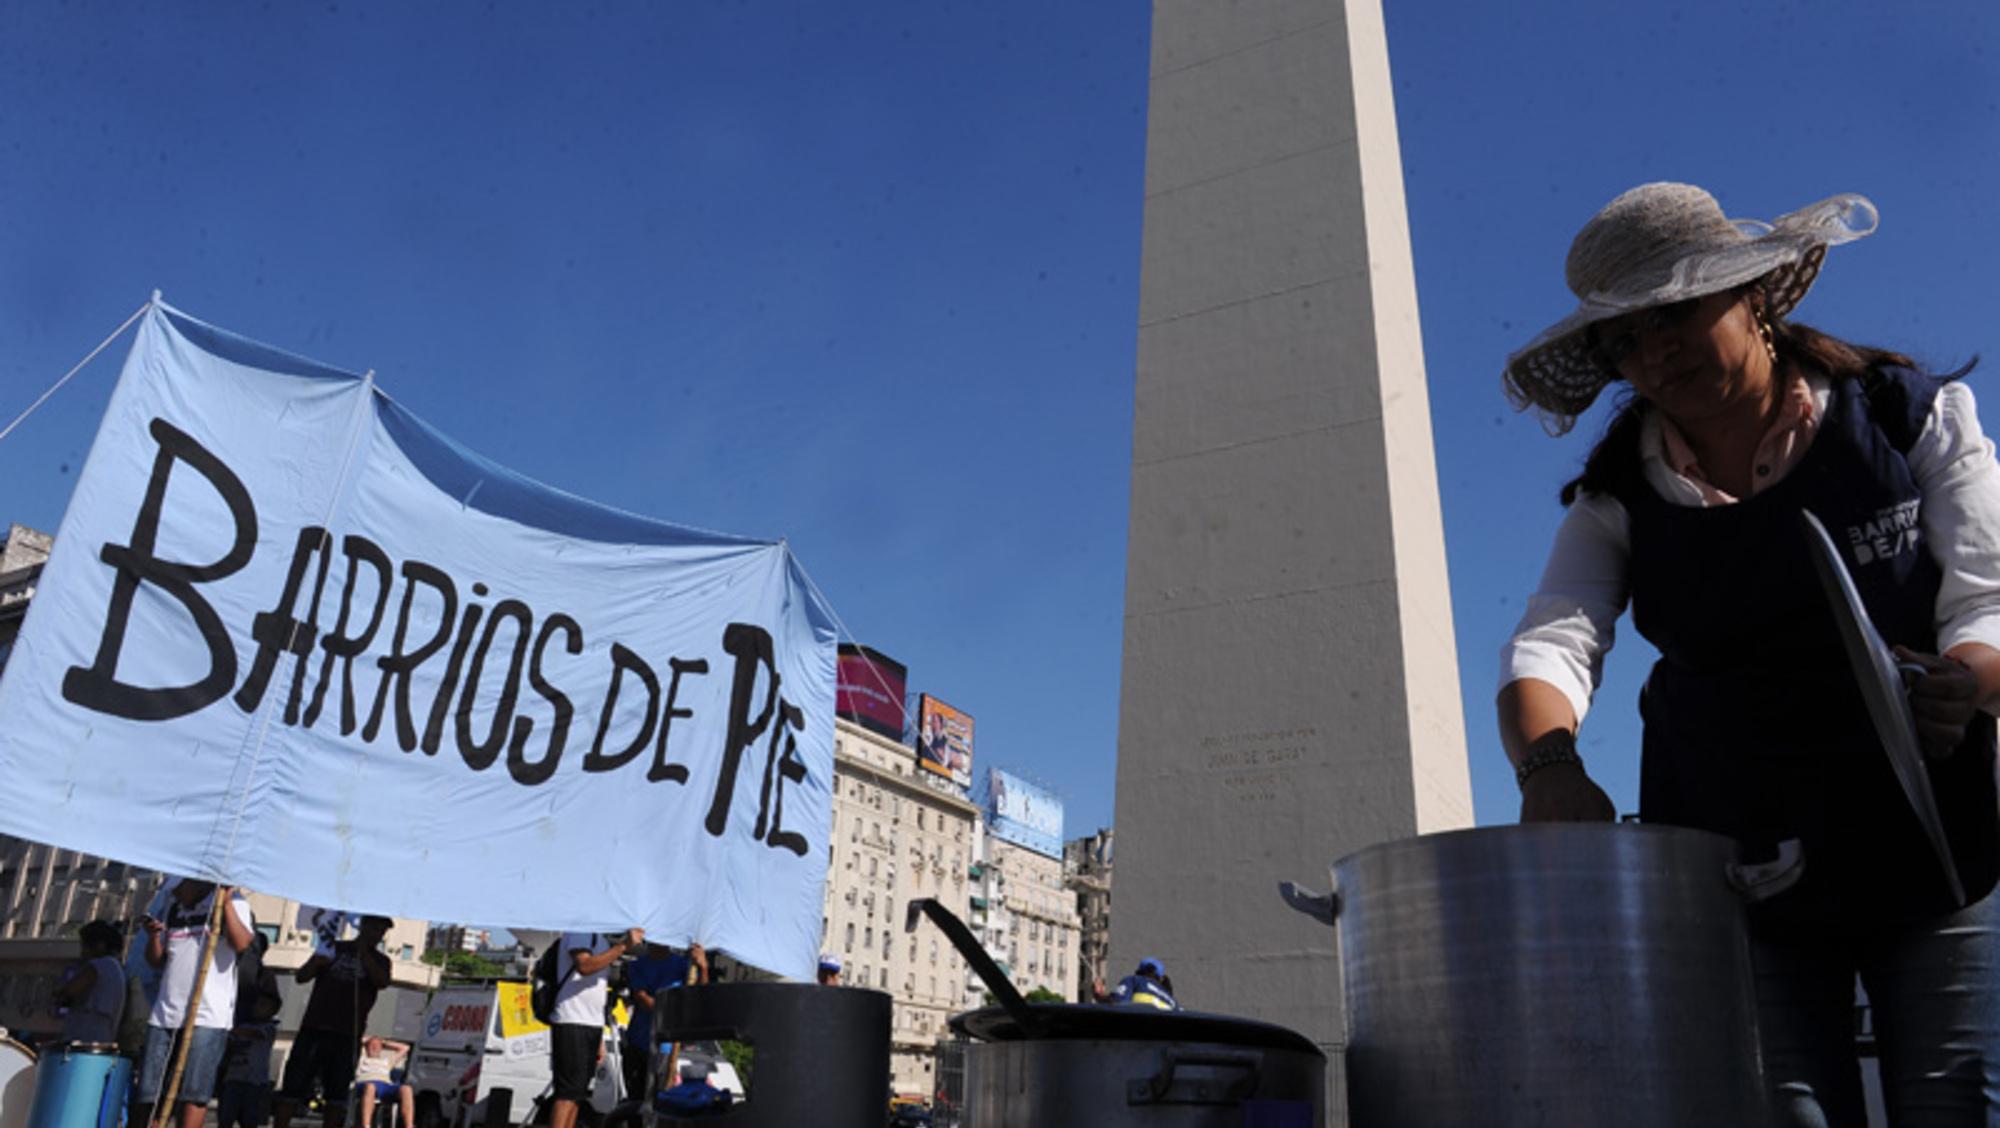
(1687, 509)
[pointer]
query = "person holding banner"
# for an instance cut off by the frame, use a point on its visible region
(576, 1029)
(175, 945)
(346, 977)
(659, 970)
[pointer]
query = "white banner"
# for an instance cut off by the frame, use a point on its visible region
(294, 639)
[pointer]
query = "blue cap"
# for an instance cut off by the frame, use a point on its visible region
(1152, 967)
(829, 962)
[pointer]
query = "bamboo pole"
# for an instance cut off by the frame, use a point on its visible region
(164, 1111)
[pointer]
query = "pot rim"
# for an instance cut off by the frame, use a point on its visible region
(1085, 1022)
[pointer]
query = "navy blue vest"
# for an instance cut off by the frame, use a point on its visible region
(1754, 726)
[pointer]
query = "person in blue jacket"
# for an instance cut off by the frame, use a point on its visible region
(1146, 987)
(1734, 419)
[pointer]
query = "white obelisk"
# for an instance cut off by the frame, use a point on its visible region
(1290, 682)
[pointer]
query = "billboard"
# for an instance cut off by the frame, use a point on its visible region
(1023, 813)
(944, 740)
(869, 691)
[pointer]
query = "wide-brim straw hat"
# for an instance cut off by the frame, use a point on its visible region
(1663, 243)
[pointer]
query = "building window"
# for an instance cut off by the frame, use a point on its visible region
(850, 937)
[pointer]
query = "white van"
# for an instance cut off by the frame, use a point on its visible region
(481, 1037)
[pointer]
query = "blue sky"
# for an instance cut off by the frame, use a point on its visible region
(866, 276)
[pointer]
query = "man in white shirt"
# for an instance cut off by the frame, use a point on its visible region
(576, 1029)
(174, 945)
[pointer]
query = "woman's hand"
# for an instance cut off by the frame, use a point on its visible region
(1943, 699)
(1563, 793)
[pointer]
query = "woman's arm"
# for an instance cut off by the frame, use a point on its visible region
(1536, 722)
(1954, 466)
(77, 988)
(1550, 667)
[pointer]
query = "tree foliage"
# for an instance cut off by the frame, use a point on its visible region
(464, 965)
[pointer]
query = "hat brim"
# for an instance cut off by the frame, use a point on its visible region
(1557, 371)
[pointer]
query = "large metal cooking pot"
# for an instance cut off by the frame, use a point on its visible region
(1550, 975)
(1037, 1065)
(822, 1052)
(1101, 1067)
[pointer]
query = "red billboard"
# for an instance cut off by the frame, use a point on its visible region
(944, 740)
(869, 691)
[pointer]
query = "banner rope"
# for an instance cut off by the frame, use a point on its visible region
(80, 365)
(840, 625)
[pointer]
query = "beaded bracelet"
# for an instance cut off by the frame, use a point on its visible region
(1555, 750)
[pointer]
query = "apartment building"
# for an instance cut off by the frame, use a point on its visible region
(899, 833)
(1087, 873)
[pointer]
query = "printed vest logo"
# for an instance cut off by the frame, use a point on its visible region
(1891, 532)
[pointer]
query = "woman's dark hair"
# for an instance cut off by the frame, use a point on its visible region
(101, 935)
(1800, 346)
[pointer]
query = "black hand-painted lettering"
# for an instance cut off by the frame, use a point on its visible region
(751, 647)
(791, 768)
(399, 664)
(468, 629)
(479, 755)
(784, 766)
(97, 687)
(661, 769)
(517, 760)
(279, 631)
(344, 647)
(623, 660)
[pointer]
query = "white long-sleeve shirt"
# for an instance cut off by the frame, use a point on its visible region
(1568, 626)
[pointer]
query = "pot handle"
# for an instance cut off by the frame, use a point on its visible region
(1322, 907)
(1219, 1089)
(1765, 880)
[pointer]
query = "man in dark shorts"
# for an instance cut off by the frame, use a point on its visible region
(345, 983)
(576, 1029)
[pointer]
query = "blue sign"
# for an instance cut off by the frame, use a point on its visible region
(293, 638)
(1022, 813)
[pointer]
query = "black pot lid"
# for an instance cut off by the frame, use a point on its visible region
(1071, 1021)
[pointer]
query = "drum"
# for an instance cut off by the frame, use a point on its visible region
(81, 1085)
(17, 1083)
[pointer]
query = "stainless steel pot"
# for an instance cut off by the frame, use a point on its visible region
(1550, 975)
(1036, 1065)
(1101, 1067)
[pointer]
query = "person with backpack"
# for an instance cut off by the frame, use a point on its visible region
(576, 1018)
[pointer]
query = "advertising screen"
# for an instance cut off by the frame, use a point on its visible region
(870, 690)
(1023, 813)
(944, 740)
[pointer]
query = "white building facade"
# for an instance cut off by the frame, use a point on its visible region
(899, 834)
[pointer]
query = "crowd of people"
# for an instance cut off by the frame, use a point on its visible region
(225, 1051)
(224, 1048)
